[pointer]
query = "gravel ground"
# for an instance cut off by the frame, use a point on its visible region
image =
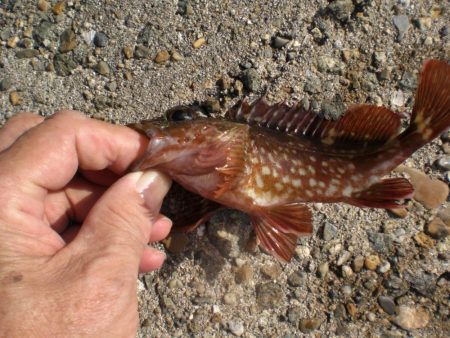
(364, 272)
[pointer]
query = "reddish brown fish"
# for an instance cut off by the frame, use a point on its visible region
(269, 160)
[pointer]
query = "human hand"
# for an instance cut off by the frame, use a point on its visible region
(73, 234)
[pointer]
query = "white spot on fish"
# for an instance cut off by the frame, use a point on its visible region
(265, 170)
(313, 159)
(259, 181)
(309, 193)
(312, 182)
(321, 184)
(296, 183)
(302, 172)
(332, 189)
(285, 179)
(347, 191)
(311, 169)
(341, 170)
(279, 186)
(324, 164)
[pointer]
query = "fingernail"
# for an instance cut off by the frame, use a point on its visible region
(145, 181)
(152, 186)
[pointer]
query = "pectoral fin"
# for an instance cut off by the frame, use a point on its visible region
(279, 227)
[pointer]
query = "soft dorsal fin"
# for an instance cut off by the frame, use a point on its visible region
(361, 124)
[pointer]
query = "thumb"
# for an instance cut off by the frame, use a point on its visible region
(121, 221)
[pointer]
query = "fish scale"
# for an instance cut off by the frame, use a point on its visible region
(270, 161)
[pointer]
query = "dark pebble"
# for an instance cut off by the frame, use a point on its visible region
(309, 324)
(422, 283)
(5, 84)
(387, 304)
(27, 53)
(100, 40)
(67, 41)
(341, 9)
(43, 31)
(141, 52)
(279, 42)
(408, 81)
(269, 295)
(64, 64)
(296, 279)
(329, 231)
(381, 243)
(251, 79)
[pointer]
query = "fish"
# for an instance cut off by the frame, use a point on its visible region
(272, 160)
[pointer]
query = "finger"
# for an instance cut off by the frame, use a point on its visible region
(71, 203)
(151, 259)
(16, 126)
(160, 229)
(121, 221)
(57, 147)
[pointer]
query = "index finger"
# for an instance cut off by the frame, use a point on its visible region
(49, 155)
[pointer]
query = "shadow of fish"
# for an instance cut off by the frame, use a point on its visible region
(269, 160)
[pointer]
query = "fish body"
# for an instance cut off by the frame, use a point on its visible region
(270, 160)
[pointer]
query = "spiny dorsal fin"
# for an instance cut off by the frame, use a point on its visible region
(362, 125)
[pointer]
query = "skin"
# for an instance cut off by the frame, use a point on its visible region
(74, 227)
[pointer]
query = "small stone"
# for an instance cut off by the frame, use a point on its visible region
(408, 81)
(43, 32)
(251, 80)
(128, 75)
(230, 298)
(424, 240)
(371, 317)
(323, 270)
(343, 258)
(325, 64)
(27, 53)
(279, 42)
(347, 290)
(381, 243)
(5, 84)
(401, 22)
(111, 86)
(269, 295)
(67, 41)
(244, 274)
(294, 314)
(176, 243)
(272, 271)
(444, 163)
(176, 56)
(429, 192)
(198, 43)
(341, 9)
(12, 41)
(59, 7)
(437, 228)
(162, 56)
(313, 85)
(43, 5)
(358, 263)
(410, 318)
(141, 52)
(296, 279)
(399, 212)
(351, 309)
(329, 231)
(347, 271)
(28, 43)
(424, 23)
(309, 324)
(15, 98)
(64, 64)
(127, 52)
(398, 98)
(371, 262)
(100, 40)
(379, 59)
(102, 68)
(387, 304)
(384, 267)
(175, 284)
(236, 327)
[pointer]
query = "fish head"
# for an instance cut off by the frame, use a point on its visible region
(187, 147)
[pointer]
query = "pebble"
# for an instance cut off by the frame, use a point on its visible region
(230, 298)
(429, 192)
(341, 9)
(371, 317)
(198, 43)
(59, 7)
(176, 56)
(313, 85)
(384, 267)
(15, 98)
(27, 53)
(381, 243)
(437, 228)
(272, 271)
(12, 41)
(401, 22)
(296, 279)
(176, 243)
(408, 81)
(141, 52)
(424, 240)
(398, 99)
(379, 59)
(294, 314)
(251, 80)
(269, 295)
(387, 304)
(244, 274)
(347, 271)
(67, 41)
(358, 263)
(347, 290)
(100, 40)
(5, 84)
(127, 52)
(399, 212)
(444, 163)
(43, 5)
(343, 258)
(64, 64)
(162, 56)
(351, 309)
(323, 269)
(236, 327)
(43, 32)
(309, 324)
(279, 42)
(175, 284)
(102, 68)
(410, 318)
(329, 231)
(371, 262)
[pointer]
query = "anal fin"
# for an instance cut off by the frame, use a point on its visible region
(387, 194)
(279, 227)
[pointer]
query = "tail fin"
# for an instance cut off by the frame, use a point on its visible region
(431, 111)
